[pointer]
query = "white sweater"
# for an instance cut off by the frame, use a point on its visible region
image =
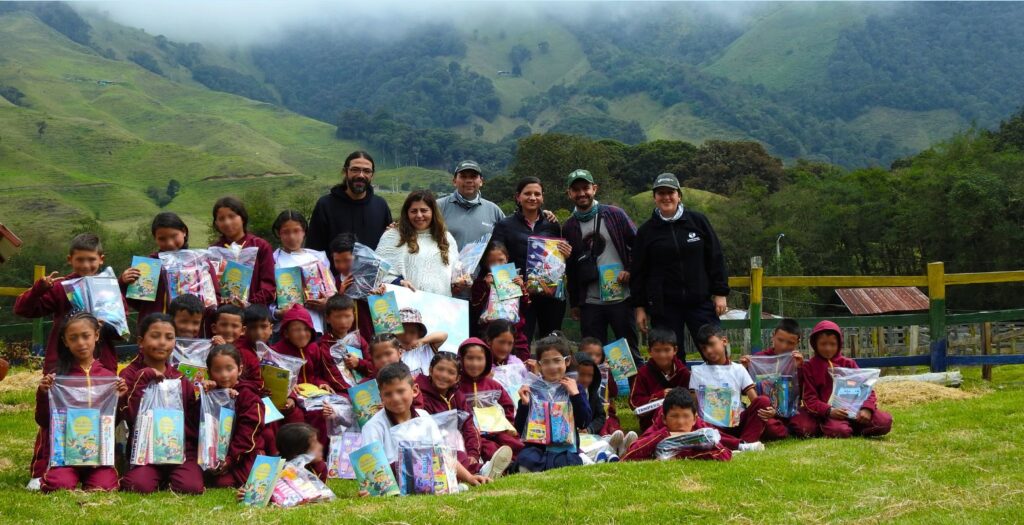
(424, 269)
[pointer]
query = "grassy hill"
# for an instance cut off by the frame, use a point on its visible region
(692, 198)
(92, 134)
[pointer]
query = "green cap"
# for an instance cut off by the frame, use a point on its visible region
(468, 165)
(580, 175)
(666, 180)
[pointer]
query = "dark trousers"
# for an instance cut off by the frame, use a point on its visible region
(678, 317)
(595, 319)
(543, 315)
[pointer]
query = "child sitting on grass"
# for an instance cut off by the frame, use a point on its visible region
(610, 390)
(475, 381)
(294, 440)
(663, 371)
(678, 415)
(226, 369)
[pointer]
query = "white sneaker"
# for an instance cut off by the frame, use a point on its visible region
(463, 487)
(631, 438)
(34, 484)
(500, 461)
(615, 440)
(756, 446)
(587, 460)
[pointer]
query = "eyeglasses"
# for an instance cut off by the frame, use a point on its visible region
(554, 361)
(358, 171)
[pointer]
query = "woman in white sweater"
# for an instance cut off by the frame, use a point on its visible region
(420, 250)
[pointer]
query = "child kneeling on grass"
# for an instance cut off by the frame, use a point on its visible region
(678, 415)
(397, 393)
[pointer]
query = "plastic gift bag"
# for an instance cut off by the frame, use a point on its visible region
(339, 463)
(427, 469)
(851, 387)
(342, 349)
(368, 272)
(450, 423)
(545, 267)
(700, 439)
(317, 281)
(465, 268)
(220, 256)
(720, 406)
(498, 309)
(511, 378)
(488, 414)
(296, 485)
(344, 418)
(189, 357)
(99, 295)
(216, 421)
(280, 373)
(551, 420)
(189, 272)
(160, 426)
(83, 411)
(775, 376)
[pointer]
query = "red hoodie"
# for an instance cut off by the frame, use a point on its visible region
(263, 289)
(470, 386)
(651, 384)
(138, 376)
(319, 369)
(246, 436)
(435, 402)
(816, 376)
(41, 301)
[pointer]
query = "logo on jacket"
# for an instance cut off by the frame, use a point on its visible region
(693, 237)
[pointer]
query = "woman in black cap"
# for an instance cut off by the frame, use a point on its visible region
(678, 276)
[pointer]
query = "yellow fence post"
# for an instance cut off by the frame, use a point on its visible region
(38, 338)
(756, 297)
(937, 315)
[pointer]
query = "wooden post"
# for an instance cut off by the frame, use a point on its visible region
(38, 337)
(986, 349)
(756, 296)
(937, 315)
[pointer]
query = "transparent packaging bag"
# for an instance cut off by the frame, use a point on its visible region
(219, 256)
(427, 469)
(159, 433)
(280, 373)
(368, 272)
(498, 309)
(545, 267)
(342, 349)
(296, 485)
(511, 378)
(700, 439)
(722, 405)
(339, 463)
(551, 420)
(488, 413)
(450, 423)
(83, 413)
(318, 282)
(189, 272)
(343, 419)
(417, 431)
(468, 263)
(99, 295)
(851, 387)
(775, 376)
(189, 357)
(216, 422)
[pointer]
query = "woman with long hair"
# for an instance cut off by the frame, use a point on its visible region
(421, 251)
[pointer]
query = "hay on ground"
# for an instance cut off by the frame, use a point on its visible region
(23, 380)
(902, 394)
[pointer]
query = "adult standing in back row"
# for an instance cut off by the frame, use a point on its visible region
(466, 213)
(678, 278)
(350, 207)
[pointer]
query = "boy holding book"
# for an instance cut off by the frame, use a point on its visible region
(340, 316)
(661, 372)
(678, 415)
(785, 340)
(397, 393)
(341, 253)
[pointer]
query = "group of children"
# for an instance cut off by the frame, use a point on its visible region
(567, 396)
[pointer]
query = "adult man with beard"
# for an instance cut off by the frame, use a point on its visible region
(600, 235)
(350, 207)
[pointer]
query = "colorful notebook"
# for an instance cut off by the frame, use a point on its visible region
(620, 359)
(372, 470)
(168, 436)
(317, 281)
(384, 313)
(260, 485)
(58, 428)
(288, 282)
(426, 470)
(82, 437)
(779, 390)
(545, 266)
(224, 428)
(365, 400)
(562, 423)
(611, 288)
(235, 281)
(194, 373)
(144, 289)
(504, 287)
(339, 463)
(278, 382)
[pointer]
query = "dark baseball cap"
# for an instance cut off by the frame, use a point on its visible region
(666, 180)
(468, 165)
(580, 175)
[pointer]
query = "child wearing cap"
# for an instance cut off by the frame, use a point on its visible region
(418, 346)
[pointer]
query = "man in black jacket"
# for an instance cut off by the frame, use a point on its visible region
(678, 274)
(350, 207)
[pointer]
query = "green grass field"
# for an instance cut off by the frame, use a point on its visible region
(945, 462)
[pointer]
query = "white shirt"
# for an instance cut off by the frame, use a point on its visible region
(378, 428)
(283, 259)
(418, 360)
(733, 375)
(424, 269)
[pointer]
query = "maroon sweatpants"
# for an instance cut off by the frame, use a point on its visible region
(490, 443)
(186, 478)
(752, 428)
(805, 424)
(40, 455)
(68, 478)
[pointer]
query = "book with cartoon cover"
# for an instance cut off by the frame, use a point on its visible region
(620, 359)
(562, 423)
(58, 422)
(82, 437)
(260, 486)
(372, 470)
(384, 314)
(339, 464)
(718, 405)
(277, 381)
(610, 287)
(365, 400)
(224, 428)
(288, 282)
(504, 286)
(545, 266)
(144, 289)
(235, 281)
(168, 436)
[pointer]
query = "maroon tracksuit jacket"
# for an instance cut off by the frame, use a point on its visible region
(434, 402)
(645, 447)
(250, 361)
(489, 443)
(365, 364)
(651, 384)
(246, 436)
(263, 289)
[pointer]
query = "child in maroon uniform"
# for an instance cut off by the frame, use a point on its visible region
(156, 341)
(187, 313)
(817, 417)
(226, 324)
(258, 328)
(340, 252)
(663, 371)
(76, 357)
(678, 415)
(339, 325)
(231, 221)
(475, 362)
(226, 369)
(170, 234)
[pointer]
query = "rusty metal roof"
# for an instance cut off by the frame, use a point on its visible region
(872, 301)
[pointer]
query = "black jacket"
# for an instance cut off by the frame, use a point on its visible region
(593, 394)
(677, 263)
(513, 232)
(337, 213)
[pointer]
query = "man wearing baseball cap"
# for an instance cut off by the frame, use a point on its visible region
(601, 237)
(467, 214)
